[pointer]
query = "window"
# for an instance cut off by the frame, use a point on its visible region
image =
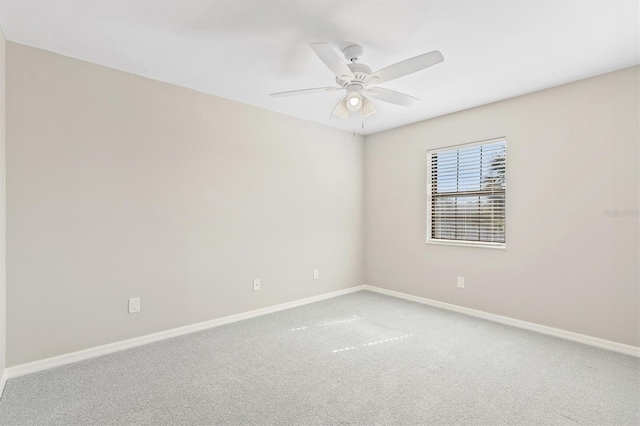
(467, 194)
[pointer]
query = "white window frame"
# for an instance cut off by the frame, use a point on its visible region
(440, 241)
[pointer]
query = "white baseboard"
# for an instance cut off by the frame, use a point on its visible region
(44, 364)
(3, 381)
(568, 335)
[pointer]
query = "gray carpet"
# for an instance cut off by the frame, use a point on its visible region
(363, 359)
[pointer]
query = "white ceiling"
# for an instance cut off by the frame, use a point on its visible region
(244, 50)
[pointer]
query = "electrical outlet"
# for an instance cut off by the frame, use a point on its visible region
(316, 274)
(134, 305)
(460, 282)
(256, 285)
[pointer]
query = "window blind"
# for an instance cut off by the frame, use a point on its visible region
(467, 193)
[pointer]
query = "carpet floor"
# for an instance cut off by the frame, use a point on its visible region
(363, 358)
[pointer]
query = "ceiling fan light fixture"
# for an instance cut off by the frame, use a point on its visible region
(354, 101)
(367, 108)
(341, 109)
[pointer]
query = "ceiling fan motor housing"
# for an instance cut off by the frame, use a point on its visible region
(360, 74)
(352, 54)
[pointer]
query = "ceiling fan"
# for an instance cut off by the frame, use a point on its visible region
(355, 78)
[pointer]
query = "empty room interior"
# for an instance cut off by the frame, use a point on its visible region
(319, 212)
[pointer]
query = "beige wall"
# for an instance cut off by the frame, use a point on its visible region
(3, 210)
(120, 186)
(572, 152)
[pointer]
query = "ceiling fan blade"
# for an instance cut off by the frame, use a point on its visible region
(304, 91)
(367, 108)
(391, 96)
(332, 60)
(341, 109)
(408, 66)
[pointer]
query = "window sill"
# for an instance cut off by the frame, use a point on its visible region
(499, 246)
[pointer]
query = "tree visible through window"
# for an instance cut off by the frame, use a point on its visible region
(467, 194)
